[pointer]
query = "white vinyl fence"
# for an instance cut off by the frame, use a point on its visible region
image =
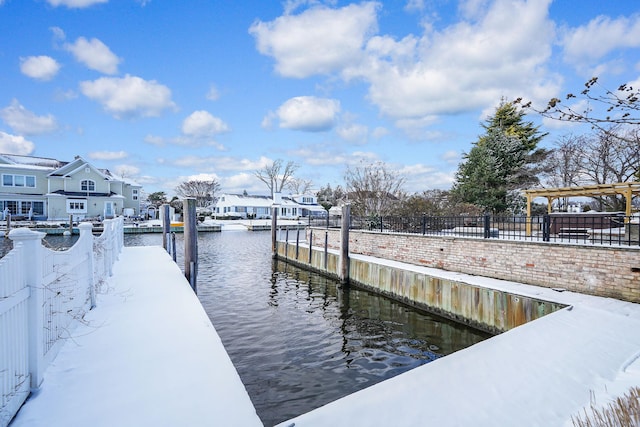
(42, 294)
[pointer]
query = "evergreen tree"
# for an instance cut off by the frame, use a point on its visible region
(503, 160)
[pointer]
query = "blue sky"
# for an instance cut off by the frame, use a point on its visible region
(166, 91)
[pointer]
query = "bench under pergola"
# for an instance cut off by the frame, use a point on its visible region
(626, 189)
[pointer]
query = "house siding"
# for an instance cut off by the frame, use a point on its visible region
(59, 184)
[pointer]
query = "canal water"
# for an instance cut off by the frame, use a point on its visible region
(296, 338)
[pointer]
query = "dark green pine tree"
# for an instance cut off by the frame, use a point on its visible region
(503, 161)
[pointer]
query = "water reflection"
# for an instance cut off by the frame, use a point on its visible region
(300, 341)
(297, 339)
(55, 243)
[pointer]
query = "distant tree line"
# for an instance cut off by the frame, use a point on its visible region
(504, 160)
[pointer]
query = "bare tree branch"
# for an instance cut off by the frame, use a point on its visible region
(203, 191)
(272, 176)
(373, 188)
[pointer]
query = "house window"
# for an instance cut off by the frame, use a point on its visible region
(134, 194)
(18, 180)
(15, 207)
(87, 185)
(76, 206)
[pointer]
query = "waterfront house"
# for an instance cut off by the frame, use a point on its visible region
(259, 207)
(49, 189)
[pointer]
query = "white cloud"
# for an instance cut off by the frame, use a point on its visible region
(58, 33)
(243, 181)
(308, 113)
(26, 122)
(127, 171)
(317, 41)
(108, 155)
(451, 156)
(421, 177)
(447, 70)
(39, 67)
(601, 36)
(75, 4)
(418, 128)
(380, 132)
(353, 132)
(321, 155)
(129, 96)
(465, 66)
(414, 6)
(14, 144)
(201, 124)
(219, 163)
(213, 94)
(94, 54)
(154, 140)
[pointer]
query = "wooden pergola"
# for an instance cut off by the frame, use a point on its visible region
(626, 189)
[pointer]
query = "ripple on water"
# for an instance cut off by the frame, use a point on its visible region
(296, 339)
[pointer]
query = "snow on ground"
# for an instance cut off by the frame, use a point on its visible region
(539, 374)
(147, 355)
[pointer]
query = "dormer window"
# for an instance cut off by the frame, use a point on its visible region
(87, 185)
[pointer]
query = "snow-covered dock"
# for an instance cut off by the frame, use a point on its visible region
(148, 355)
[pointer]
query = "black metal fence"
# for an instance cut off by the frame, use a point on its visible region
(583, 228)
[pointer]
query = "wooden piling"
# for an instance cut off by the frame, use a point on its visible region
(274, 231)
(166, 227)
(190, 241)
(344, 244)
(8, 218)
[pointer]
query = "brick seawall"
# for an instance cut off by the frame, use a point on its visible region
(605, 271)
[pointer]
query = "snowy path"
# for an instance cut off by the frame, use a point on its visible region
(147, 356)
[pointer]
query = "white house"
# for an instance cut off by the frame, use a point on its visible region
(259, 207)
(49, 189)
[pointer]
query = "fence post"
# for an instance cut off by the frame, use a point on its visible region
(86, 237)
(487, 226)
(344, 244)
(31, 243)
(297, 241)
(310, 244)
(190, 241)
(546, 227)
(424, 224)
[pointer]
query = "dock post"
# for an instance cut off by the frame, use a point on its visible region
(310, 245)
(166, 227)
(71, 224)
(274, 232)
(8, 218)
(344, 244)
(190, 241)
(326, 249)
